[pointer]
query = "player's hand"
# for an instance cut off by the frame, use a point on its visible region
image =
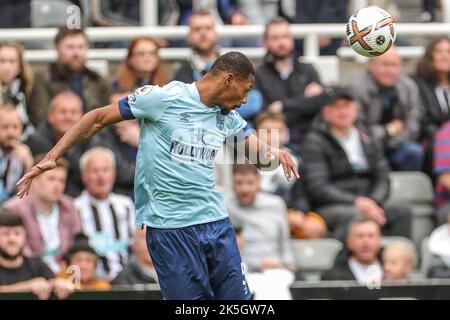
(27, 179)
(286, 162)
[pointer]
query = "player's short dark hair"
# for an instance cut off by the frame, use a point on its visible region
(10, 218)
(65, 32)
(276, 20)
(235, 63)
(245, 168)
(268, 116)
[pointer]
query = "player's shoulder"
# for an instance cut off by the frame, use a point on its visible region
(172, 90)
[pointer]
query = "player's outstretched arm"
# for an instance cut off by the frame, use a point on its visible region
(91, 123)
(266, 152)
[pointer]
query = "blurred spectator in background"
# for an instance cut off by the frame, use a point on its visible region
(64, 111)
(50, 217)
(346, 171)
(359, 260)
(16, 83)
(106, 218)
(399, 259)
(390, 107)
(203, 38)
(264, 220)
(140, 269)
(15, 157)
(268, 284)
(428, 10)
(69, 72)
(15, 14)
(442, 171)
(321, 11)
(260, 12)
(439, 247)
(81, 261)
(111, 13)
(288, 86)
(141, 67)
(433, 79)
(19, 273)
(123, 140)
(271, 128)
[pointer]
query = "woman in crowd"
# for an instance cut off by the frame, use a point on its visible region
(142, 66)
(16, 82)
(433, 79)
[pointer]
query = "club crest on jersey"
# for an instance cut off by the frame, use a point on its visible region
(220, 121)
(144, 90)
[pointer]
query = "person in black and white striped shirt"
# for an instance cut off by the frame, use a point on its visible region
(106, 218)
(15, 157)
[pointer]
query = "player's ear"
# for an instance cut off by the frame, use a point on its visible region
(229, 79)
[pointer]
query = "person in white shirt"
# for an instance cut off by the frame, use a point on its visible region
(106, 218)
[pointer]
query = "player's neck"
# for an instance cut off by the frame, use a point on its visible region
(207, 91)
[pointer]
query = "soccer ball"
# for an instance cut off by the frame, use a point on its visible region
(371, 31)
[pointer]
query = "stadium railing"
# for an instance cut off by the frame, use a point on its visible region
(309, 32)
(337, 290)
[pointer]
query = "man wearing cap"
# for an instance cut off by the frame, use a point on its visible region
(346, 170)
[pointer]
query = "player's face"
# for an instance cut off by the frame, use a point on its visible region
(235, 92)
(12, 241)
(9, 64)
(99, 176)
(72, 52)
(365, 241)
(64, 113)
(10, 129)
(395, 266)
(341, 113)
(202, 35)
(144, 58)
(441, 56)
(386, 69)
(50, 185)
(246, 186)
(279, 41)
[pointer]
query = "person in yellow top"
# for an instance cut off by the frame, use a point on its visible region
(80, 267)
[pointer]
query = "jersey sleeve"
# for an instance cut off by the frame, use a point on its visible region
(147, 102)
(235, 124)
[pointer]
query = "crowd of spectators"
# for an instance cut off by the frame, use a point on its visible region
(76, 231)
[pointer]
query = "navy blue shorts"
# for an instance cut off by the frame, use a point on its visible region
(198, 262)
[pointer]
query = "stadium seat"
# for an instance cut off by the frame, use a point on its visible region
(414, 189)
(313, 257)
(425, 257)
(49, 13)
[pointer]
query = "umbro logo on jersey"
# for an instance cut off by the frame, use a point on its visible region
(185, 116)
